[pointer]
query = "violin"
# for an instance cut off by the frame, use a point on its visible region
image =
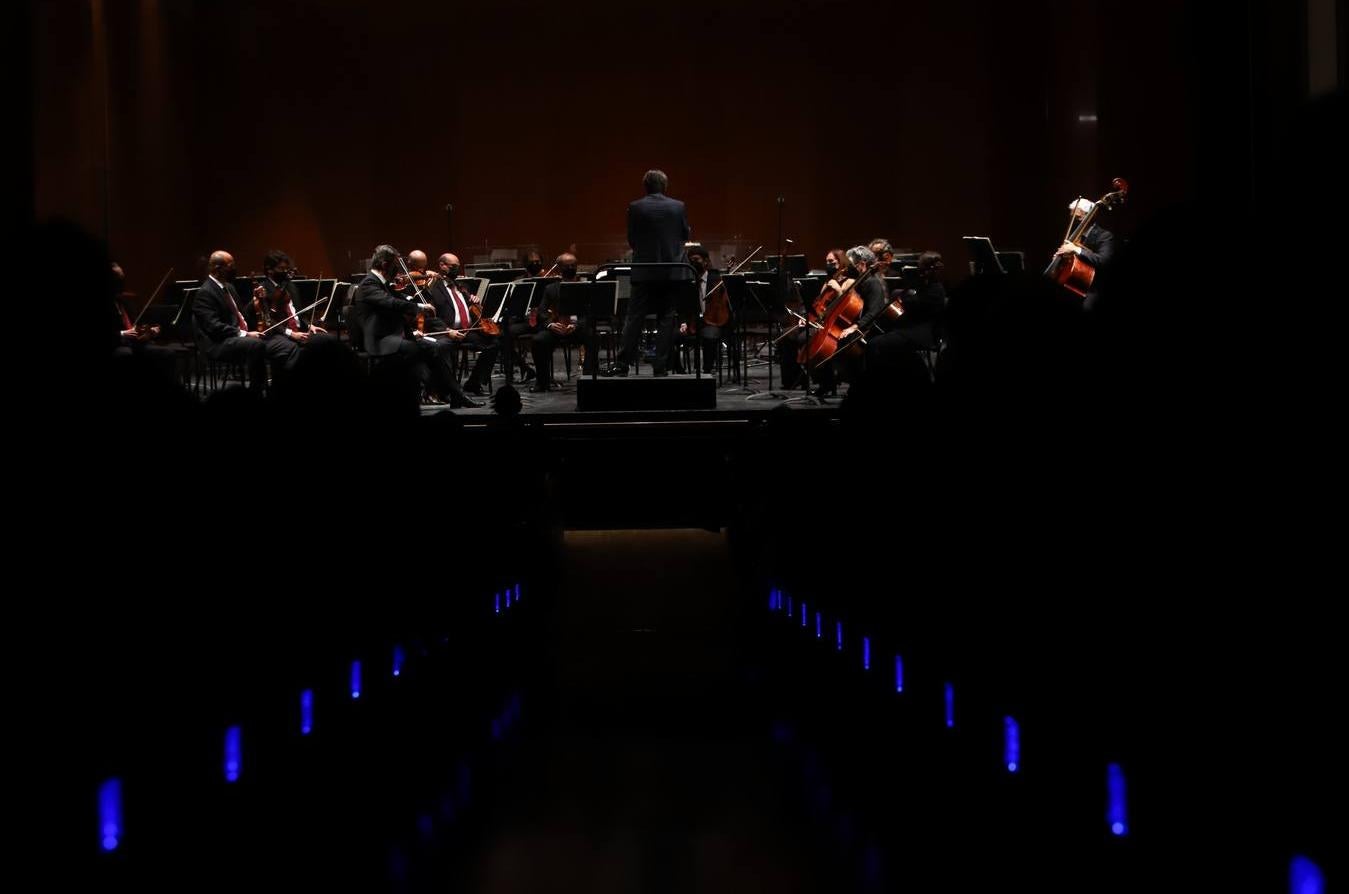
(1070, 270)
(534, 311)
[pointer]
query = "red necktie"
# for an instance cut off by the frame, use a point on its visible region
(460, 309)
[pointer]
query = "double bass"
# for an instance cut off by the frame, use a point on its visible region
(1072, 271)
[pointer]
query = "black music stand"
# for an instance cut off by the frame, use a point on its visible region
(505, 274)
(983, 258)
(331, 311)
(796, 264)
(515, 297)
(588, 301)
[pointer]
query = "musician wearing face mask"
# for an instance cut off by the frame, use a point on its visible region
(279, 296)
(556, 329)
(223, 333)
(872, 292)
(382, 315)
(710, 335)
(454, 317)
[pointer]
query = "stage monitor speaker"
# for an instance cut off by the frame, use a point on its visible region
(644, 393)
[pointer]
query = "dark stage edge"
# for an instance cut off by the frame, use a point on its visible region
(733, 406)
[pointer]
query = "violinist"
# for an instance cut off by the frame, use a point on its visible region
(1096, 246)
(223, 334)
(276, 299)
(555, 329)
(454, 317)
(382, 316)
(711, 335)
(133, 340)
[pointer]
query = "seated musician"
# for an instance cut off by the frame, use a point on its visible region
(453, 316)
(916, 329)
(278, 295)
(138, 341)
(533, 263)
(224, 334)
(797, 333)
(555, 329)
(885, 256)
(383, 316)
(711, 336)
(1096, 247)
(872, 292)
(516, 329)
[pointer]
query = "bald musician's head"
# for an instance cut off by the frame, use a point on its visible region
(221, 265)
(566, 265)
(449, 265)
(417, 260)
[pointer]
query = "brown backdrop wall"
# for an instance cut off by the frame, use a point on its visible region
(326, 127)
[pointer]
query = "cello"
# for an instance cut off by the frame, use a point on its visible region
(835, 315)
(1071, 270)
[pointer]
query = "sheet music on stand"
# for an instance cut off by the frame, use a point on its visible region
(473, 285)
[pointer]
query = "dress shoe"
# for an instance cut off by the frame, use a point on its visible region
(465, 403)
(614, 369)
(473, 388)
(659, 373)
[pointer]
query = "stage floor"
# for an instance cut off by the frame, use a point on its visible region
(734, 402)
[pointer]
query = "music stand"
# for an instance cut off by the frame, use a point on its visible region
(983, 258)
(1012, 261)
(590, 301)
(796, 264)
(338, 298)
(510, 298)
(504, 274)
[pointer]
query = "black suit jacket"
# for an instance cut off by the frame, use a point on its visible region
(446, 311)
(658, 227)
(1098, 246)
(213, 314)
(874, 300)
(382, 315)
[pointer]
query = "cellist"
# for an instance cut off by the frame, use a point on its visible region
(871, 290)
(1096, 246)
